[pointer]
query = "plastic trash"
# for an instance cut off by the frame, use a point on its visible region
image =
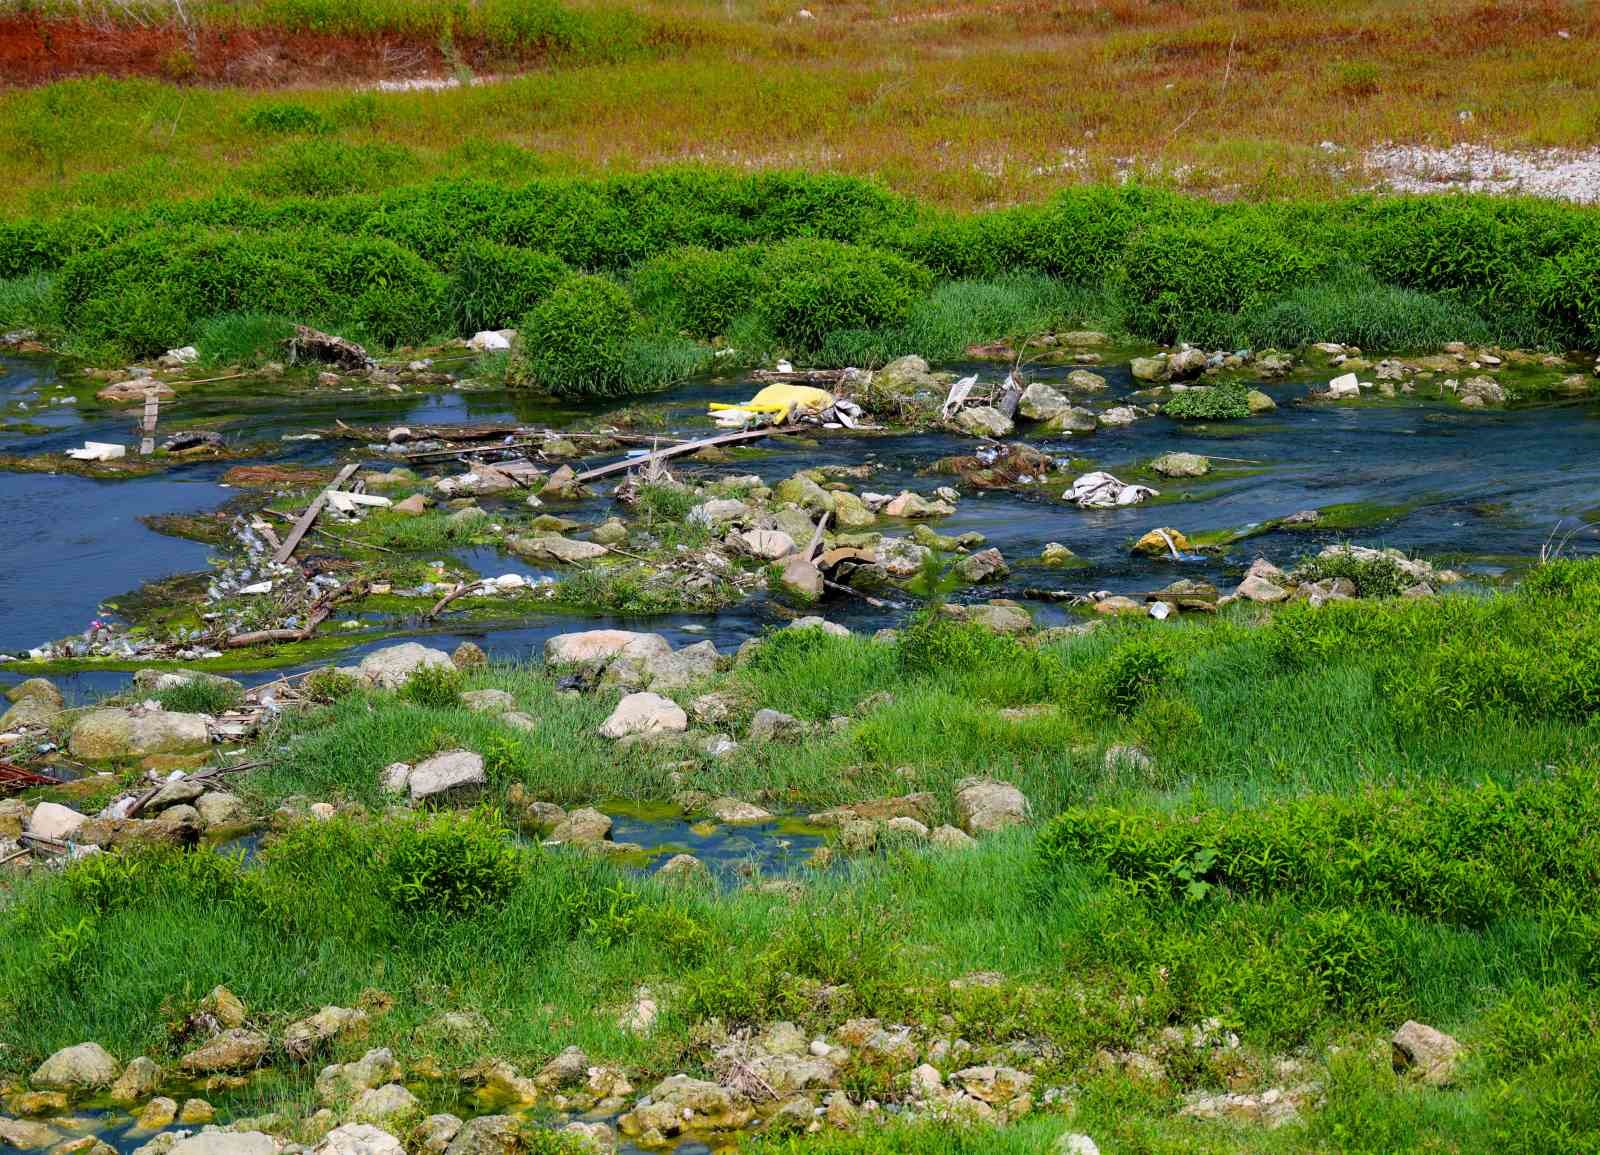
(780, 403)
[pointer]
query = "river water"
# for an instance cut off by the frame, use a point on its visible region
(1482, 489)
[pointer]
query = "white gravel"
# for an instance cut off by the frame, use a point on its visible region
(1563, 174)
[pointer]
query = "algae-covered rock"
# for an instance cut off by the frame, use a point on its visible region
(102, 735)
(85, 1067)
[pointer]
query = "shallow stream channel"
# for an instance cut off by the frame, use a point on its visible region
(1480, 489)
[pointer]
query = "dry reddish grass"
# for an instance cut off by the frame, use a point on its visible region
(982, 103)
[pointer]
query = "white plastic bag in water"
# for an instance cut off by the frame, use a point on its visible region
(1102, 491)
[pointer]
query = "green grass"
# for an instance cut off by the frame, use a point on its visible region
(1320, 848)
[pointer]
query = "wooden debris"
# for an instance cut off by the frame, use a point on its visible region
(315, 616)
(286, 551)
(152, 406)
(650, 460)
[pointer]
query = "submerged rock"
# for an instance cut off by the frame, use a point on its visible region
(1181, 465)
(681, 1104)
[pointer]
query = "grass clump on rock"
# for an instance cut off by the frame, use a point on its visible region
(1209, 403)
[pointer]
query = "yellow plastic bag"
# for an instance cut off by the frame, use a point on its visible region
(782, 402)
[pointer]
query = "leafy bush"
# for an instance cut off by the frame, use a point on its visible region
(1131, 673)
(576, 342)
(814, 288)
(494, 286)
(1209, 403)
(451, 865)
(1356, 309)
(283, 117)
(438, 687)
(242, 338)
(1373, 577)
(1453, 853)
(696, 290)
(1175, 279)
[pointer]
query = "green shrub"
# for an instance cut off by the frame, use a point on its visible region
(284, 117)
(320, 167)
(1209, 403)
(1453, 853)
(1356, 309)
(494, 286)
(25, 302)
(988, 666)
(576, 341)
(1130, 674)
(242, 338)
(201, 695)
(452, 865)
(438, 687)
(696, 290)
(814, 288)
(1176, 279)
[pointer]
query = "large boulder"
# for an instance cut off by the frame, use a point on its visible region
(101, 735)
(1425, 1053)
(984, 805)
(234, 1050)
(452, 776)
(985, 421)
(361, 1139)
(680, 1104)
(555, 548)
(644, 713)
(487, 1135)
(390, 667)
(227, 1143)
(53, 820)
(38, 689)
(582, 827)
(37, 713)
(1040, 402)
(594, 649)
(85, 1067)
(303, 1039)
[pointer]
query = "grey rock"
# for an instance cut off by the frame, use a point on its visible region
(390, 667)
(455, 775)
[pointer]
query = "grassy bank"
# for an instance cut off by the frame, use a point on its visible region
(1337, 819)
(626, 284)
(950, 104)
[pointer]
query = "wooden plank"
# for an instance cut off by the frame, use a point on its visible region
(687, 447)
(152, 407)
(286, 550)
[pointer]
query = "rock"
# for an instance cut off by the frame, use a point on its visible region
(851, 513)
(36, 690)
(53, 820)
(30, 713)
(518, 720)
(85, 1067)
(768, 544)
(491, 340)
(910, 505)
(232, 1050)
(470, 655)
(1119, 758)
(1056, 554)
(1162, 542)
(178, 791)
(344, 1080)
(673, 670)
(1075, 1143)
(1344, 388)
(390, 667)
(774, 725)
(220, 808)
(1482, 390)
(1119, 415)
(1259, 402)
(102, 735)
(434, 1133)
(389, 1105)
(227, 1143)
(414, 506)
(1000, 619)
(1083, 381)
(224, 1008)
(1040, 402)
(996, 1086)
(736, 810)
(984, 805)
(683, 867)
(1117, 605)
(140, 1079)
(126, 392)
(640, 1019)
(156, 1114)
(487, 1135)
(1425, 1053)
(1188, 594)
(1076, 419)
(592, 650)
(395, 777)
(803, 491)
(801, 579)
(303, 1039)
(982, 566)
(833, 629)
(452, 776)
(904, 376)
(554, 547)
(644, 713)
(1149, 369)
(680, 1104)
(591, 1138)
(1186, 363)
(908, 827)
(567, 1068)
(1181, 465)
(1258, 588)
(718, 512)
(920, 807)
(196, 1112)
(488, 701)
(361, 1138)
(582, 827)
(1270, 1108)
(985, 421)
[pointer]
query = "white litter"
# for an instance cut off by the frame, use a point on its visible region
(1102, 491)
(98, 451)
